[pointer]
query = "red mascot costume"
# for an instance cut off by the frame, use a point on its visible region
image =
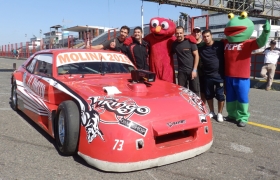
(160, 40)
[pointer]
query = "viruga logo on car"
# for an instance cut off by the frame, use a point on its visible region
(171, 124)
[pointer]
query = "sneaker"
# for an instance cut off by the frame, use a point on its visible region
(220, 117)
(241, 124)
(230, 119)
(211, 114)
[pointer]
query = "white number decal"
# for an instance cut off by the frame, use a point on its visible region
(118, 145)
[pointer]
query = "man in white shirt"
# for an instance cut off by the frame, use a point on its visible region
(270, 62)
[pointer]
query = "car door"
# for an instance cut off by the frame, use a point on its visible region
(35, 82)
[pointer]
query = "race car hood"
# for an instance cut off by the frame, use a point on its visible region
(157, 101)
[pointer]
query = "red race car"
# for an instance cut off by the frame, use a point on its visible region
(97, 104)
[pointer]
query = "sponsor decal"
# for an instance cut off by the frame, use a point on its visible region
(90, 120)
(233, 47)
(123, 109)
(202, 118)
(79, 57)
(31, 100)
(171, 124)
(35, 85)
(193, 99)
(133, 126)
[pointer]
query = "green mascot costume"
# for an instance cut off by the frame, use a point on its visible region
(238, 49)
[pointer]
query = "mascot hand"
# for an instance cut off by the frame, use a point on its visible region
(128, 41)
(191, 38)
(266, 27)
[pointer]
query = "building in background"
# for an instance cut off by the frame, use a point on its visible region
(218, 21)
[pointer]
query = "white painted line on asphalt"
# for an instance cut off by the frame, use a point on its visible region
(240, 148)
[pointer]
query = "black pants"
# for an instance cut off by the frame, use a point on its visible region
(185, 79)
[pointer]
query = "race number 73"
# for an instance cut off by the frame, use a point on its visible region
(118, 145)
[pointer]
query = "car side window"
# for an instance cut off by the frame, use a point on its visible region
(43, 68)
(31, 65)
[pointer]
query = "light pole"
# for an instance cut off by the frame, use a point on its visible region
(142, 21)
(87, 37)
(41, 39)
(50, 36)
(62, 30)
(26, 37)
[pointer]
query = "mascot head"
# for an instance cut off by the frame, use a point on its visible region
(162, 28)
(239, 29)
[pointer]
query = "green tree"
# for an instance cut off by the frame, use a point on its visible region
(184, 15)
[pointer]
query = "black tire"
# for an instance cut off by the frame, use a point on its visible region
(14, 98)
(69, 117)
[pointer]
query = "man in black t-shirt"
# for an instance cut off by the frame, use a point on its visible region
(114, 44)
(212, 56)
(137, 49)
(197, 34)
(187, 57)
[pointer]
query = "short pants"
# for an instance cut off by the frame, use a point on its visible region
(214, 88)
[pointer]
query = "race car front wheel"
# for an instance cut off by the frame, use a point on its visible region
(67, 126)
(14, 97)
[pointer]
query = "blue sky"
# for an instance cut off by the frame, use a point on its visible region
(20, 17)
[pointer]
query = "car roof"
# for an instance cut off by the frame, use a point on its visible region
(57, 51)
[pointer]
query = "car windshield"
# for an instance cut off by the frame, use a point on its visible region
(94, 68)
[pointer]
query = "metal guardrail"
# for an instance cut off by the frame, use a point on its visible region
(257, 61)
(79, 45)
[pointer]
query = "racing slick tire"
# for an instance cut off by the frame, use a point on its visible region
(14, 99)
(67, 128)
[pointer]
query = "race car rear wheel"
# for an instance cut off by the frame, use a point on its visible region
(14, 97)
(67, 126)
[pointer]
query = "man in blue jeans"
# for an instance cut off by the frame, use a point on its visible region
(212, 57)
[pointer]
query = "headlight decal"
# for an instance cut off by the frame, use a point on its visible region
(193, 99)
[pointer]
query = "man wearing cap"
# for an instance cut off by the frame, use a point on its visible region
(270, 62)
(197, 34)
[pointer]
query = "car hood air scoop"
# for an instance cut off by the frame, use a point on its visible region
(111, 90)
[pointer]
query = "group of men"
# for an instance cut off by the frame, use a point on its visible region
(210, 81)
(134, 47)
(200, 66)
